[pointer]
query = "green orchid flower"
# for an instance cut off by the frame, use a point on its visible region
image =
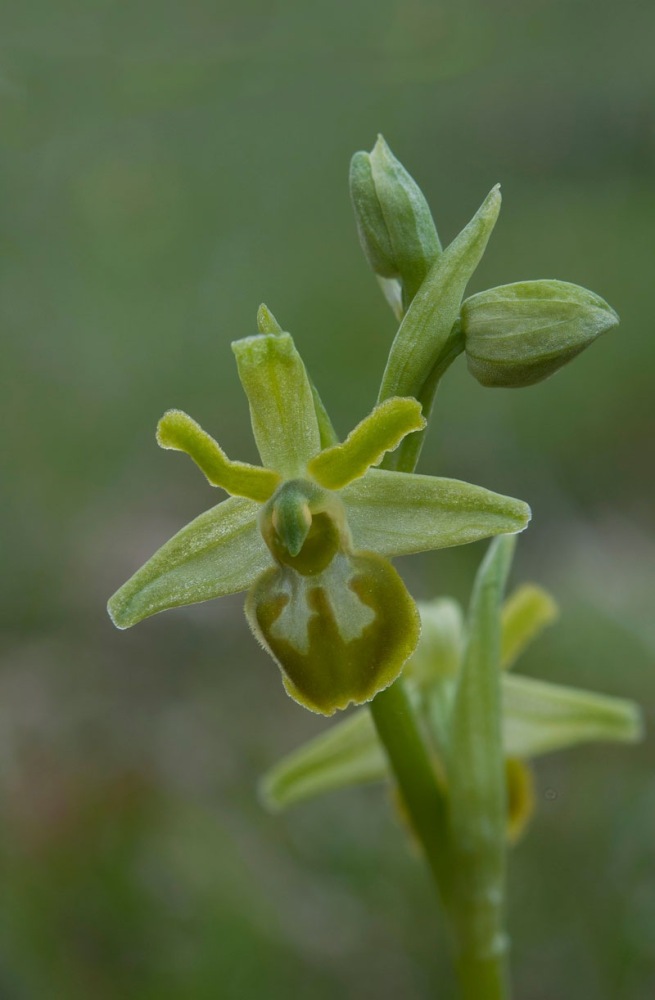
(309, 533)
(537, 717)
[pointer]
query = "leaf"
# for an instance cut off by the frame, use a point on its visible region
(476, 760)
(429, 338)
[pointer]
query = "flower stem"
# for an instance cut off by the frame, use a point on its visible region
(397, 727)
(483, 978)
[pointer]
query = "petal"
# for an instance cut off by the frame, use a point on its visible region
(397, 513)
(520, 797)
(339, 636)
(221, 552)
(381, 431)
(281, 402)
(526, 613)
(349, 753)
(539, 717)
(179, 432)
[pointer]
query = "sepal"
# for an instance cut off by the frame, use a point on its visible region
(540, 717)
(282, 410)
(221, 552)
(398, 513)
(348, 753)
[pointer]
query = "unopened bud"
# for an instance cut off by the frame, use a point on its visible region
(395, 226)
(516, 335)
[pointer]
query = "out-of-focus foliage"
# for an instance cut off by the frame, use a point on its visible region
(165, 168)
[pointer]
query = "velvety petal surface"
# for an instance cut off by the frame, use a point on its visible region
(339, 636)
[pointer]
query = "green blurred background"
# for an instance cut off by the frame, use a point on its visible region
(166, 166)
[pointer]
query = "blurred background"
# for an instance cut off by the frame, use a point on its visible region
(165, 167)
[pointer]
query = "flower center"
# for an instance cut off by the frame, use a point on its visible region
(304, 526)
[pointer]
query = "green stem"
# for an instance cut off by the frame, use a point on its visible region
(397, 727)
(483, 979)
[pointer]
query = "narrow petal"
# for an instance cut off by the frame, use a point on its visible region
(348, 753)
(381, 431)
(221, 552)
(179, 432)
(539, 717)
(281, 401)
(397, 513)
(526, 613)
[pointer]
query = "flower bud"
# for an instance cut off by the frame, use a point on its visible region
(395, 226)
(516, 335)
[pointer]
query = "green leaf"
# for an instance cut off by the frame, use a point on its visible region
(221, 552)
(381, 431)
(281, 402)
(541, 717)
(428, 339)
(476, 762)
(519, 334)
(397, 513)
(348, 753)
(526, 613)
(179, 432)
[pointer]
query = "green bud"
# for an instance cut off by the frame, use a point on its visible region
(519, 334)
(394, 222)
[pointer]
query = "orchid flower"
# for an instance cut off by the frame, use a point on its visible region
(309, 533)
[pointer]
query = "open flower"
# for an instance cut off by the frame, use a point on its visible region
(538, 717)
(308, 533)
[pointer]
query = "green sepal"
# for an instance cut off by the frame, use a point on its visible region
(540, 717)
(526, 612)
(519, 334)
(281, 402)
(429, 339)
(339, 636)
(179, 432)
(396, 229)
(397, 513)
(381, 431)
(221, 552)
(267, 323)
(348, 753)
